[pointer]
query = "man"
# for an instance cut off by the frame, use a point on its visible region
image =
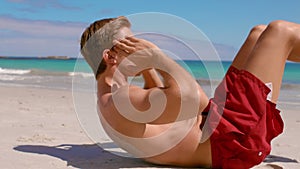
(146, 121)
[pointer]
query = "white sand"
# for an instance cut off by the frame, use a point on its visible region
(40, 129)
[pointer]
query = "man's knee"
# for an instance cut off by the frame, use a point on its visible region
(258, 29)
(281, 27)
(255, 32)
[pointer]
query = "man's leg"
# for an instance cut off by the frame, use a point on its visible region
(244, 52)
(280, 41)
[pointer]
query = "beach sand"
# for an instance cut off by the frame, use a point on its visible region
(40, 129)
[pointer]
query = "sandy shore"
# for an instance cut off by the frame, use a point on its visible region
(40, 129)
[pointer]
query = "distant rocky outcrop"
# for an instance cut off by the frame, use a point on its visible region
(57, 57)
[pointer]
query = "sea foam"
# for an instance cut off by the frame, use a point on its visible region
(13, 71)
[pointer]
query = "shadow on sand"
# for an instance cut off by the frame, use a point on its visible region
(92, 156)
(89, 156)
(274, 158)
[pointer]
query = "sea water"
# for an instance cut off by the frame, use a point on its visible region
(67, 73)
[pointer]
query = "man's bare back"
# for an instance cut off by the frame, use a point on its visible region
(192, 152)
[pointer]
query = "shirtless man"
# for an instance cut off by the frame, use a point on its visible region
(242, 124)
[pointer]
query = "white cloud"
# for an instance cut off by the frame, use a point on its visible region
(39, 38)
(33, 5)
(21, 37)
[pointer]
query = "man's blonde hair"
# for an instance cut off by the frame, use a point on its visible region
(98, 37)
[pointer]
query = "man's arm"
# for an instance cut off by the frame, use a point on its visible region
(178, 100)
(152, 79)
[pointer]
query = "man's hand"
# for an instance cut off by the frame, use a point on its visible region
(131, 45)
(139, 55)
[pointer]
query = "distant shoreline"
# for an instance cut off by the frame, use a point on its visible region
(39, 57)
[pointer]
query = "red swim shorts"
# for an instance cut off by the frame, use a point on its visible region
(242, 121)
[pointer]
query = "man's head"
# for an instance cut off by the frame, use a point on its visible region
(98, 38)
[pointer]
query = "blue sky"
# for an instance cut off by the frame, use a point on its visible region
(53, 27)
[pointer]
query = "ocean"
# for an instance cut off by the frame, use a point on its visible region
(67, 73)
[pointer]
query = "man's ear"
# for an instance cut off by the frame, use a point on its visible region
(109, 59)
